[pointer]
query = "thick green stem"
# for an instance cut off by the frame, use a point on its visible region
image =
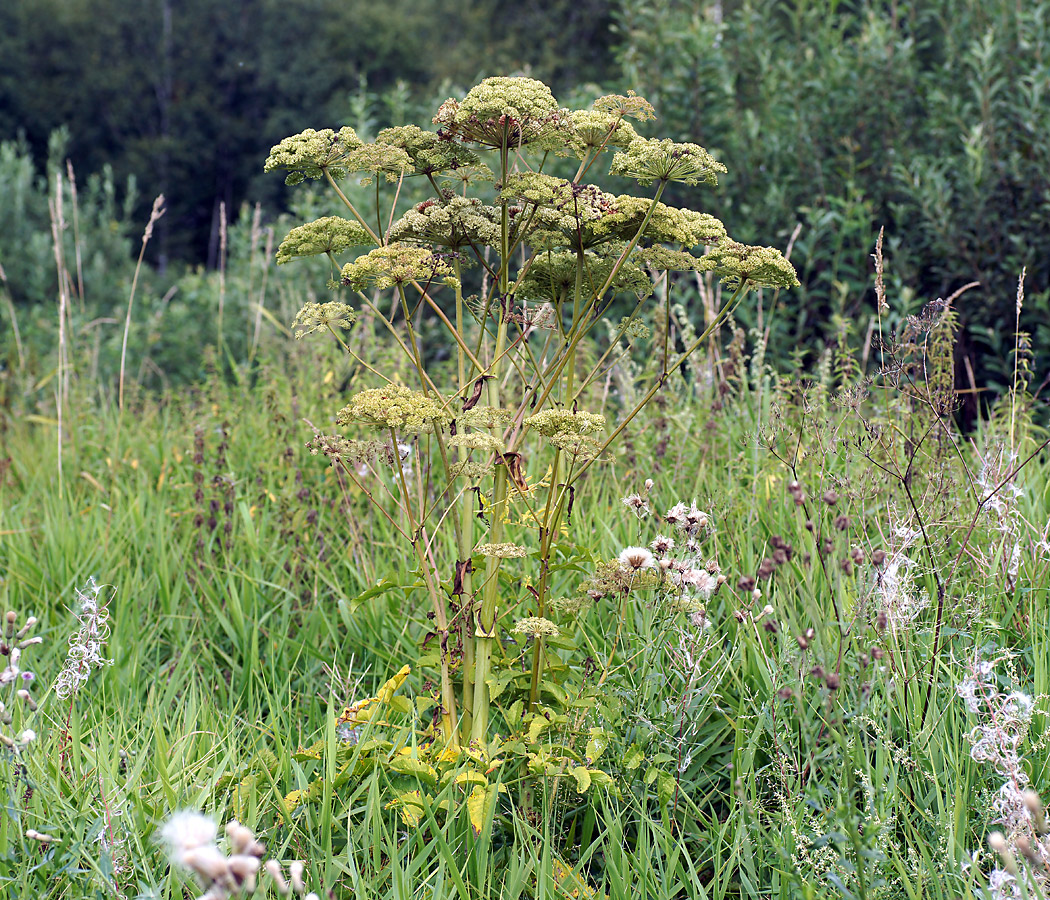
(448, 695)
(466, 545)
(485, 632)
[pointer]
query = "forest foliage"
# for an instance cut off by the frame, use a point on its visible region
(929, 120)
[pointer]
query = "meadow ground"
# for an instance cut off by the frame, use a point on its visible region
(859, 704)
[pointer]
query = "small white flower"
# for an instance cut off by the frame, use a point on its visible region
(636, 504)
(188, 831)
(676, 515)
(637, 558)
(27, 737)
(662, 544)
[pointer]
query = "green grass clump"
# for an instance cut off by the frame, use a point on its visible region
(799, 734)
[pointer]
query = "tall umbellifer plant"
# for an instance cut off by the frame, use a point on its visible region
(553, 254)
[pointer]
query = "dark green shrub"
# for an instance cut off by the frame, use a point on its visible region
(927, 118)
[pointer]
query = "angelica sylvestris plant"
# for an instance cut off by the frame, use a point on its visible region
(550, 255)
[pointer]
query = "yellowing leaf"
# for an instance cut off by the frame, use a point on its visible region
(448, 754)
(537, 726)
(513, 715)
(408, 765)
(597, 744)
(480, 802)
(583, 778)
(409, 807)
(401, 704)
(665, 788)
(633, 758)
(314, 751)
(386, 692)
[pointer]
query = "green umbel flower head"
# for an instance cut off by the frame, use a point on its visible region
(395, 264)
(558, 421)
(505, 112)
(485, 417)
(594, 130)
(330, 234)
(322, 316)
(630, 106)
(553, 275)
(655, 160)
(395, 406)
(664, 259)
(569, 431)
(477, 440)
(503, 550)
(452, 222)
(311, 153)
(581, 202)
(667, 225)
(563, 210)
(536, 626)
(738, 264)
(429, 153)
(379, 160)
